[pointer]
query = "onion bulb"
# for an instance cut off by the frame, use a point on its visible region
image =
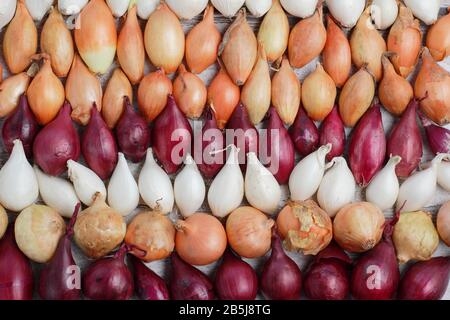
(187, 9)
(164, 39)
(258, 8)
(347, 12)
(249, 232)
(438, 38)
(3, 221)
(228, 8)
(38, 9)
(383, 13)
(118, 7)
(301, 9)
(20, 40)
(7, 10)
(12, 88)
(442, 223)
(427, 11)
(146, 7)
(71, 7)
(200, 239)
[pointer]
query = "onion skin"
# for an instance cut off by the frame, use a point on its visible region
(367, 146)
(438, 38)
(10, 91)
(438, 137)
(443, 223)
(164, 39)
(57, 143)
(149, 286)
(332, 131)
(405, 141)
(171, 130)
(152, 94)
(21, 124)
(202, 43)
(333, 251)
(304, 134)
(98, 146)
(337, 55)
(307, 40)
(425, 280)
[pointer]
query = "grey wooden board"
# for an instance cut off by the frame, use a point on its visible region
(163, 267)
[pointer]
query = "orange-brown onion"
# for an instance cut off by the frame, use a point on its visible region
(305, 227)
(12, 88)
(200, 239)
(443, 223)
(438, 38)
(249, 232)
(152, 94)
(405, 39)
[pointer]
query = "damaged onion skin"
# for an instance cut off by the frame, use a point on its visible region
(304, 134)
(332, 131)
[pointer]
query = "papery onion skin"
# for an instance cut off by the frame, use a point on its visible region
(10, 91)
(149, 286)
(443, 223)
(438, 137)
(304, 134)
(332, 131)
(438, 38)
(152, 94)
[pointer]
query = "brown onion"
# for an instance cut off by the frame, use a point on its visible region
(12, 88)
(438, 38)
(443, 223)
(3, 221)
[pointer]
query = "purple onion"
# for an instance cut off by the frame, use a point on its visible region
(149, 286)
(438, 137)
(304, 133)
(332, 130)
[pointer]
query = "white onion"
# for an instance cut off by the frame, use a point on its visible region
(425, 10)
(228, 8)
(444, 175)
(7, 10)
(300, 8)
(86, 182)
(384, 13)
(146, 7)
(187, 9)
(258, 8)
(118, 7)
(70, 7)
(347, 12)
(38, 8)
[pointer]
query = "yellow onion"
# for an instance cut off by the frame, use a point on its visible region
(367, 45)
(223, 96)
(152, 94)
(83, 89)
(432, 87)
(286, 92)
(57, 41)
(130, 48)
(405, 39)
(238, 49)
(394, 91)
(164, 39)
(415, 237)
(3, 221)
(337, 56)
(318, 94)
(202, 43)
(118, 87)
(358, 227)
(305, 227)
(12, 88)
(442, 223)
(20, 40)
(256, 92)
(307, 40)
(151, 236)
(189, 92)
(438, 38)
(274, 32)
(356, 96)
(96, 36)
(249, 232)
(99, 229)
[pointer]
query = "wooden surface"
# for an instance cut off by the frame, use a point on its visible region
(163, 267)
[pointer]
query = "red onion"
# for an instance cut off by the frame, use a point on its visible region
(133, 134)
(57, 143)
(212, 141)
(171, 136)
(99, 146)
(149, 286)
(376, 274)
(367, 146)
(16, 275)
(58, 279)
(281, 278)
(304, 133)
(333, 251)
(405, 141)
(332, 131)
(281, 152)
(20, 124)
(438, 137)
(243, 134)
(109, 278)
(235, 279)
(425, 280)
(189, 283)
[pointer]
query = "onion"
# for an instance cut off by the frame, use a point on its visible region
(347, 12)
(7, 11)
(223, 97)
(149, 286)
(415, 236)
(164, 39)
(57, 41)
(438, 137)
(11, 89)
(258, 8)
(384, 13)
(238, 49)
(186, 10)
(405, 40)
(99, 229)
(146, 7)
(57, 143)
(130, 47)
(356, 97)
(150, 233)
(332, 131)
(96, 37)
(71, 7)
(82, 90)
(152, 94)
(438, 39)
(358, 227)
(202, 43)
(337, 56)
(235, 279)
(319, 94)
(442, 223)
(118, 7)
(307, 40)
(85, 182)
(427, 11)
(305, 227)
(3, 221)
(228, 8)
(301, 9)
(249, 231)
(20, 40)
(432, 86)
(281, 278)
